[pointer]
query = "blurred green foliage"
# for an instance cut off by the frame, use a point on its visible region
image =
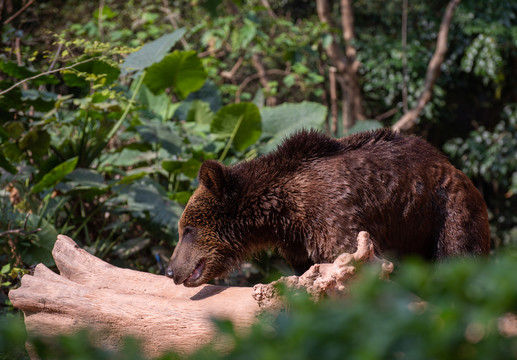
(452, 311)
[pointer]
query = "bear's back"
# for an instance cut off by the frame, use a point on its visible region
(399, 188)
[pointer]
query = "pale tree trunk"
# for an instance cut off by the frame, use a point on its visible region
(409, 119)
(345, 62)
(114, 302)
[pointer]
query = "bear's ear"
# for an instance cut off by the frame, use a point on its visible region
(212, 176)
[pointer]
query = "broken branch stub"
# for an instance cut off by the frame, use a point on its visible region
(324, 279)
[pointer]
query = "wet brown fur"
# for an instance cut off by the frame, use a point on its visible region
(312, 196)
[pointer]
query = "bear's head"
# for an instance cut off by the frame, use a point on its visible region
(208, 245)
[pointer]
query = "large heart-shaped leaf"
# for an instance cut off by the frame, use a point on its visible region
(181, 70)
(240, 122)
(364, 125)
(283, 120)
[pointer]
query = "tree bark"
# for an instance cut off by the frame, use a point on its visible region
(345, 62)
(333, 99)
(114, 302)
(261, 72)
(409, 119)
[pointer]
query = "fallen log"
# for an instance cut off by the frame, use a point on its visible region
(116, 302)
(330, 280)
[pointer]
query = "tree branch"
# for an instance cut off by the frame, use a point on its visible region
(347, 23)
(172, 20)
(333, 99)
(405, 76)
(270, 11)
(255, 77)
(261, 72)
(346, 63)
(409, 119)
(19, 232)
(23, 8)
(333, 49)
(230, 74)
(386, 114)
(46, 73)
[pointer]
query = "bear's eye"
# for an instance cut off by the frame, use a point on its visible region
(187, 230)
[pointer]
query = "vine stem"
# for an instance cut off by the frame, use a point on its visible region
(119, 122)
(409, 119)
(128, 107)
(230, 140)
(46, 73)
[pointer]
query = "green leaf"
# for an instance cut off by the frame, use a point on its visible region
(55, 175)
(36, 141)
(5, 269)
(82, 179)
(5, 164)
(151, 52)
(242, 121)
(182, 196)
(364, 125)
(181, 70)
(211, 6)
(40, 251)
(259, 99)
(4, 135)
(171, 166)
(163, 134)
(190, 167)
(21, 72)
(160, 104)
(40, 100)
(225, 326)
(128, 158)
(209, 93)
(146, 199)
(242, 36)
(15, 70)
(281, 121)
(200, 113)
(14, 129)
(106, 13)
(130, 178)
(81, 75)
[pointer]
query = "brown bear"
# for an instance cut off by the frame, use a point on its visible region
(312, 196)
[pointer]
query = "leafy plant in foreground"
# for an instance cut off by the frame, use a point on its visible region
(454, 310)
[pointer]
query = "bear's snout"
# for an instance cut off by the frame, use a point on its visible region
(169, 272)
